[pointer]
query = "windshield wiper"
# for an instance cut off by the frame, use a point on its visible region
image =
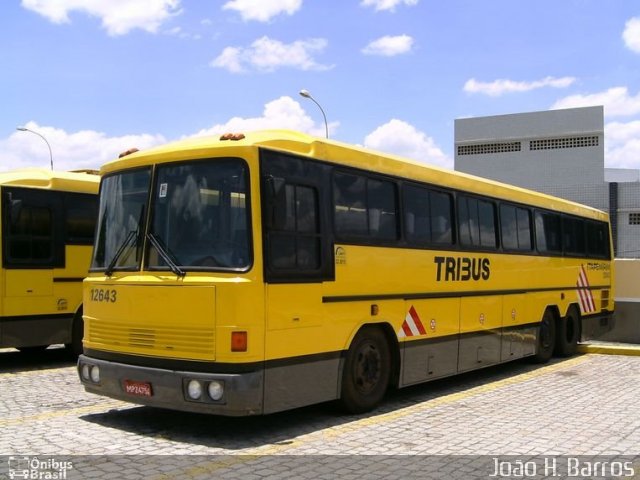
(130, 236)
(166, 255)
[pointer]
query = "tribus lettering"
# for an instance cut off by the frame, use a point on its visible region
(462, 269)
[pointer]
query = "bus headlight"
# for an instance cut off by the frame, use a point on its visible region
(215, 390)
(84, 372)
(194, 389)
(94, 373)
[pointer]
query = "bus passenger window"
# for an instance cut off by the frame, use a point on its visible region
(548, 232)
(350, 199)
(82, 211)
(427, 216)
(381, 197)
(515, 227)
(597, 240)
(365, 207)
(573, 236)
(477, 222)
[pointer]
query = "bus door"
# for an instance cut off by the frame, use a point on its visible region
(297, 260)
(32, 241)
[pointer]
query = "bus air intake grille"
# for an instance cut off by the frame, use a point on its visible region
(142, 337)
(185, 342)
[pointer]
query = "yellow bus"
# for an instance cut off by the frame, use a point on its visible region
(250, 274)
(47, 228)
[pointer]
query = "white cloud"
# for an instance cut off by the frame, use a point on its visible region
(390, 5)
(622, 144)
(90, 149)
(631, 34)
(502, 86)
(70, 151)
(267, 55)
(389, 46)
(401, 138)
(282, 113)
(262, 10)
(118, 16)
(616, 101)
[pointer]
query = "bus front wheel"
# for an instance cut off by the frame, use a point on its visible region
(366, 372)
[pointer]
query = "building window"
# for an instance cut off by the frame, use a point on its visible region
(488, 148)
(570, 142)
(634, 218)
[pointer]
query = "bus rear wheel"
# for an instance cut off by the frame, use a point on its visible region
(546, 338)
(366, 372)
(568, 334)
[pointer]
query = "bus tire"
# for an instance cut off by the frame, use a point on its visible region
(546, 338)
(77, 333)
(367, 371)
(568, 334)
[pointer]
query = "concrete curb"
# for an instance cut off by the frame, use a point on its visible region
(610, 348)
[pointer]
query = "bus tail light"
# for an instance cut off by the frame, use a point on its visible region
(238, 341)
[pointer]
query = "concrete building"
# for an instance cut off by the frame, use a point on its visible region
(559, 152)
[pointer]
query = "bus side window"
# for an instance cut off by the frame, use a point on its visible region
(477, 222)
(81, 216)
(573, 236)
(31, 234)
(515, 228)
(597, 240)
(548, 232)
(365, 207)
(427, 216)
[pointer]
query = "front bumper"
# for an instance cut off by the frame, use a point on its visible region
(243, 392)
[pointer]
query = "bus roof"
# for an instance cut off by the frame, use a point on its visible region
(80, 181)
(332, 151)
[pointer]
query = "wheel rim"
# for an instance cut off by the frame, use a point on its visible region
(367, 368)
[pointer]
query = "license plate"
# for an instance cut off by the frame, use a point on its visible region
(140, 389)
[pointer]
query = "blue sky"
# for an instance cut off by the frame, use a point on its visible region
(96, 77)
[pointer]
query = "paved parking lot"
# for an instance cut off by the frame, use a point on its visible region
(583, 410)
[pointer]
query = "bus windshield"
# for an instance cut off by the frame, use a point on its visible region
(200, 216)
(123, 198)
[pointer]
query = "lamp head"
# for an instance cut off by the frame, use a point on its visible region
(305, 93)
(22, 129)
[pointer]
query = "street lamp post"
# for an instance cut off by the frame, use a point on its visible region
(306, 94)
(24, 129)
